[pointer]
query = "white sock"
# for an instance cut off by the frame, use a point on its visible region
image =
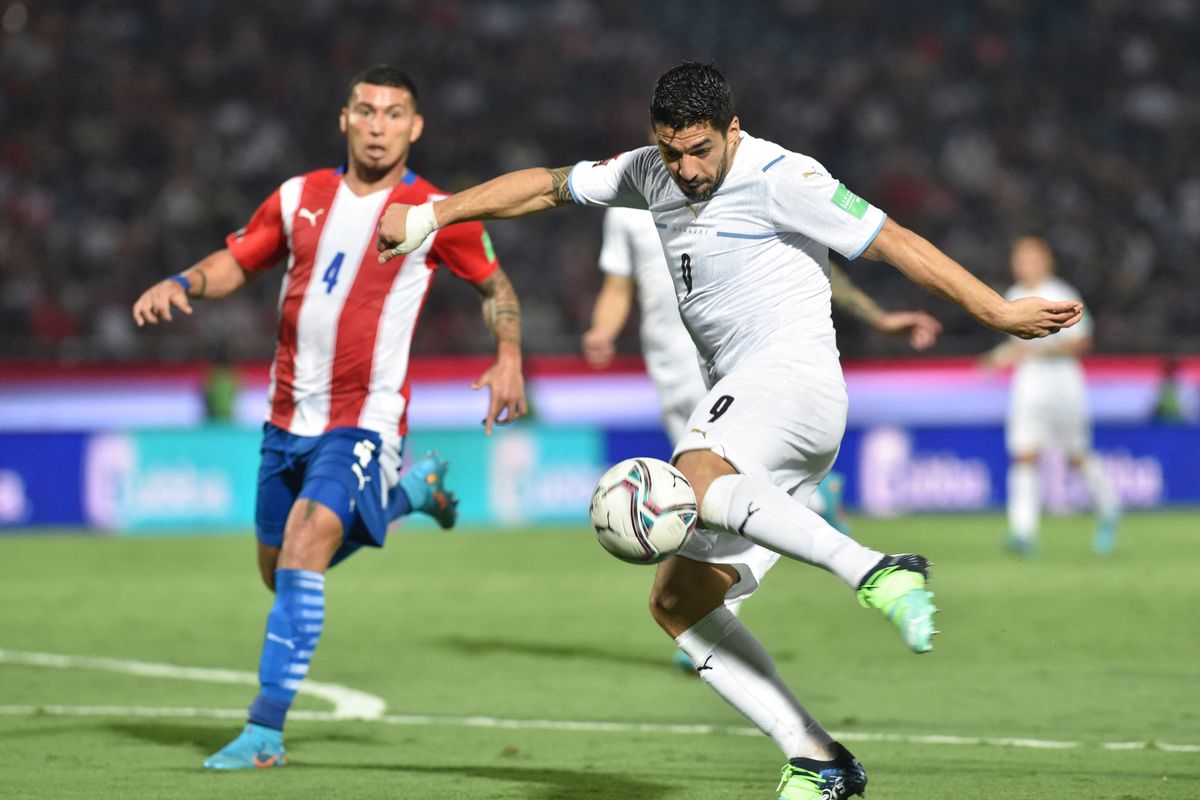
(770, 517)
(1024, 501)
(737, 667)
(1096, 478)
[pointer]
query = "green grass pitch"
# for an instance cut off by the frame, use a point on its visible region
(469, 637)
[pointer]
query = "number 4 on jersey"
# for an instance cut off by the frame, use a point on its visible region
(331, 272)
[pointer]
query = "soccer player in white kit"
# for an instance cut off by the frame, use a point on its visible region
(1048, 405)
(631, 258)
(746, 227)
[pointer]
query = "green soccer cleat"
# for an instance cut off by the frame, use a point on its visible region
(422, 482)
(806, 779)
(896, 586)
(255, 747)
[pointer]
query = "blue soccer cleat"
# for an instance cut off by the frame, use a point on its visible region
(831, 489)
(255, 747)
(1106, 535)
(683, 663)
(422, 482)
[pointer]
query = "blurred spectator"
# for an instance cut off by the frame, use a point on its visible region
(132, 133)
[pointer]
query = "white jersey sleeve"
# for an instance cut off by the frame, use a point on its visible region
(806, 199)
(616, 181)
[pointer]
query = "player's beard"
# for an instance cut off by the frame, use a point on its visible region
(373, 171)
(700, 196)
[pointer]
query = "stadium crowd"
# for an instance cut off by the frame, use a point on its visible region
(135, 135)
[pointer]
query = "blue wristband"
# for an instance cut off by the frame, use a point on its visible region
(182, 281)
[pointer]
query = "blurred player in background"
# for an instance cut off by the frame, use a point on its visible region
(330, 477)
(631, 258)
(1048, 405)
(746, 227)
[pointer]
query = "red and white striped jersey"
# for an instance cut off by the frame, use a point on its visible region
(346, 321)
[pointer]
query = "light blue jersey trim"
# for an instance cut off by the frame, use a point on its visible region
(867, 243)
(773, 163)
(730, 235)
(571, 186)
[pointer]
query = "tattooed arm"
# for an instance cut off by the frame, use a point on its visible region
(849, 298)
(404, 227)
(506, 385)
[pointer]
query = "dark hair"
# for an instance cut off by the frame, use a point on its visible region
(690, 94)
(386, 75)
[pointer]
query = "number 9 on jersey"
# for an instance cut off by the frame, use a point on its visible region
(643, 510)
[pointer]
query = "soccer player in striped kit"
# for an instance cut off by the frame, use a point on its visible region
(746, 227)
(330, 477)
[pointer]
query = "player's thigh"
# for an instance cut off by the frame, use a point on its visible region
(771, 422)
(744, 561)
(312, 535)
(1027, 429)
(344, 476)
(280, 477)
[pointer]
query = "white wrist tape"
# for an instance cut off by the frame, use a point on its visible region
(419, 223)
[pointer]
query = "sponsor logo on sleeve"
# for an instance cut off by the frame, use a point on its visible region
(849, 202)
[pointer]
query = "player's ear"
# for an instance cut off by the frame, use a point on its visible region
(343, 119)
(417, 127)
(735, 128)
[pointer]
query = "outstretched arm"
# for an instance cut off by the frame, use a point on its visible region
(927, 266)
(922, 329)
(506, 385)
(216, 275)
(608, 318)
(515, 194)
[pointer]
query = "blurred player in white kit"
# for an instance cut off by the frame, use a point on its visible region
(1048, 405)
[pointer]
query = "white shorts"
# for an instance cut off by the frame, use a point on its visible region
(777, 421)
(1035, 423)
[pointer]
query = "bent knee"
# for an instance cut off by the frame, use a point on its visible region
(664, 605)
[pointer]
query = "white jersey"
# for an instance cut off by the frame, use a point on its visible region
(632, 249)
(1048, 404)
(749, 265)
(1042, 375)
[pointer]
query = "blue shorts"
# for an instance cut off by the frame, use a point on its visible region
(338, 469)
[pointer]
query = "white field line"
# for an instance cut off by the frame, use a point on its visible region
(352, 704)
(347, 703)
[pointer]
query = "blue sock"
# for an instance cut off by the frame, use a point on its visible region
(399, 504)
(293, 629)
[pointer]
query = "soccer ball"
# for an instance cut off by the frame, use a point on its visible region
(643, 510)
